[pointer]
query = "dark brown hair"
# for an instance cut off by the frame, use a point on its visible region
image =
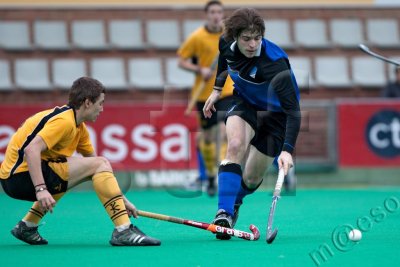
(243, 19)
(85, 88)
(211, 3)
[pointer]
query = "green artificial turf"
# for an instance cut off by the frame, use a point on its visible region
(79, 230)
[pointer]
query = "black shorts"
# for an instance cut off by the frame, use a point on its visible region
(20, 185)
(222, 105)
(269, 126)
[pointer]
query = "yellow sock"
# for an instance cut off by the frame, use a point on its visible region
(209, 157)
(35, 214)
(106, 186)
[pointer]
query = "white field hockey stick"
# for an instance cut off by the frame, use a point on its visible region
(365, 49)
(271, 234)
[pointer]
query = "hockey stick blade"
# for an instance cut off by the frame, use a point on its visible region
(271, 236)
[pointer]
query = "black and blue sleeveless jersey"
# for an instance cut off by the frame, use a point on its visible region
(265, 81)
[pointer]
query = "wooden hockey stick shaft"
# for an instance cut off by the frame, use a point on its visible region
(254, 235)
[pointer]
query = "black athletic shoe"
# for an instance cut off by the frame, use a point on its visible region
(27, 234)
(225, 220)
(211, 188)
(132, 237)
(235, 217)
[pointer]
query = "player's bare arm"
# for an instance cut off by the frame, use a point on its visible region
(33, 159)
(209, 107)
(205, 72)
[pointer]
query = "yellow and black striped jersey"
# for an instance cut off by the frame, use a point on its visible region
(57, 127)
(203, 45)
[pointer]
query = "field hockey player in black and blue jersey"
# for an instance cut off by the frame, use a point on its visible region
(264, 119)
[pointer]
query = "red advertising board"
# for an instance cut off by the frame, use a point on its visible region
(369, 133)
(134, 137)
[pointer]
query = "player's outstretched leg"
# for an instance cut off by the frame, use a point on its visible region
(124, 234)
(115, 203)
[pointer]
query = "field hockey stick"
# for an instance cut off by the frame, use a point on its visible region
(254, 235)
(271, 234)
(365, 49)
(199, 89)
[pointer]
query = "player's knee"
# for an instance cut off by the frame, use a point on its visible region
(235, 146)
(103, 165)
(252, 181)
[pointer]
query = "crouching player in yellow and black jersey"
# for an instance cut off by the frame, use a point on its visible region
(39, 166)
(202, 46)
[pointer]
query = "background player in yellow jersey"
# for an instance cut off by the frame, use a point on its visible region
(39, 166)
(199, 54)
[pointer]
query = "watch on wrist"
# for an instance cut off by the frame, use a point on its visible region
(40, 189)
